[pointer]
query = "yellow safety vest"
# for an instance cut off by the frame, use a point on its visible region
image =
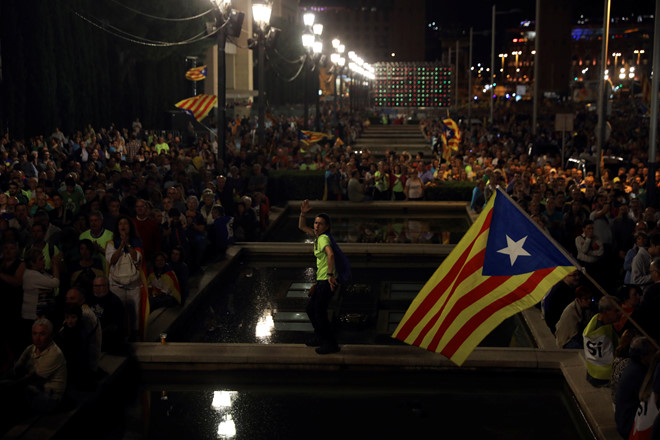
(599, 344)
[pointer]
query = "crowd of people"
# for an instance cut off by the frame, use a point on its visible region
(100, 226)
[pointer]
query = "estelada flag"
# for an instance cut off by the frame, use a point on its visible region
(503, 265)
(310, 137)
(196, 73)
(198, 106)
(451, 137)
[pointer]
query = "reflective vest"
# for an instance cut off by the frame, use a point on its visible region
(599, 343)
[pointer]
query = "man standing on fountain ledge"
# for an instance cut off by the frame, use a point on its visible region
(326, 281)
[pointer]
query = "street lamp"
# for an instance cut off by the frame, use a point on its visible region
(261, 15)
(492, 53)
(223, 9)
(517, 53)
(616, 56)
(638, 52)
(502, 56)
(312, 45)
(317, 49)
(308, 19)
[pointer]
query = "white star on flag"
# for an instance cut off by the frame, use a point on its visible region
(514, 249)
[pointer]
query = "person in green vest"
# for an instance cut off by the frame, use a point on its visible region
(398, 181)
(600, 340)
(382, 183)
(162, 146)
(97, 234)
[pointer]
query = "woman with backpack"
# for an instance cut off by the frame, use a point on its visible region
(321, 292)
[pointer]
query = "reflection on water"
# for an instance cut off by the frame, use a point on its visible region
(420, 229)
(222, 403)
(263, 301)
(363, 405)
(265, 327)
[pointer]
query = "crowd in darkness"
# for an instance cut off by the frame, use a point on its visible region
(73, 206)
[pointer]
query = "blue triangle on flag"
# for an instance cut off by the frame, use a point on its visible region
(516, 245)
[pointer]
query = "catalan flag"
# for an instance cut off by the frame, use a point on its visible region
(198, 106)
(451, 137)
(503, 265)
(196, 73)
(310, 137)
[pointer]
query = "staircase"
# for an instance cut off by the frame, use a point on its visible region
(398, 138)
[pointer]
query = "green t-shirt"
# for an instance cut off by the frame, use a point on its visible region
(381, 181)
(321, 257)
(102, 240)
(398, 183)
(162, 147)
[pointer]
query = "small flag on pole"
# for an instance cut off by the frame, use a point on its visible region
(198, 106)
(503, 265)
(196, 73)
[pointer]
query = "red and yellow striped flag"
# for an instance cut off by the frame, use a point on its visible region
(451, 137)
(196, 73)
(311, 137)
(198, 106)
(503, 265)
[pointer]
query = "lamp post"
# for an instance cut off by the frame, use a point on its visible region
(261, 15)
(602, 100)
(502, 57)
(638, 52)
(616, 56)
(492, 54)
(317, 49)
(517, 53)
(223, 8)
(334, 58)
(308, 44)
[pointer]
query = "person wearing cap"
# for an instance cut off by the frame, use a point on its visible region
(326, 282)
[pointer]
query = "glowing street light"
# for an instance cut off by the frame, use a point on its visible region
(502, 57)
(261, 15)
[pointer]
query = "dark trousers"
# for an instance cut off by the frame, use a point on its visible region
(317, 310)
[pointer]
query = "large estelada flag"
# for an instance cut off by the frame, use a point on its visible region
(198, 106)
(196, 73)
(503, 265)
(311, 137)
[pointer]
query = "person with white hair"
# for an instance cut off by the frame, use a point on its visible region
(40, 372)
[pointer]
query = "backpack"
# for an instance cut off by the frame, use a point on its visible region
(342, 264)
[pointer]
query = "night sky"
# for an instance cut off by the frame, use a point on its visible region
(456, 18)
(477, 13)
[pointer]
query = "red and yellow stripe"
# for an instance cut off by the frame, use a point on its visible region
(459, 306)
(198, 106)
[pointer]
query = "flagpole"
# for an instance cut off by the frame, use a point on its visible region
(581, 269)
(614, 300)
